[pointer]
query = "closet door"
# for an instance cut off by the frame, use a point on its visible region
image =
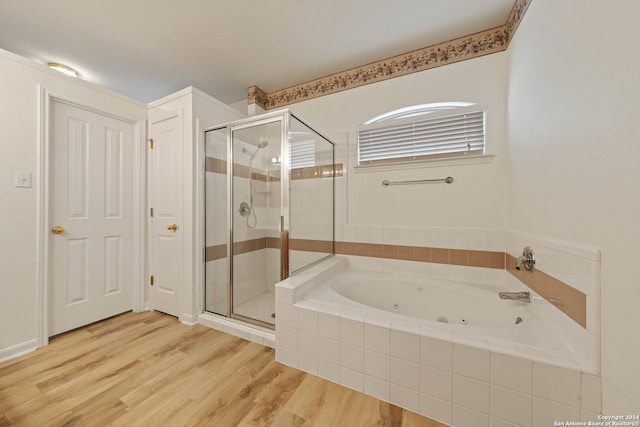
(166, 218)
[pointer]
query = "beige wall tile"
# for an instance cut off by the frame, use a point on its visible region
(458, 256)
(478, 258)
(558, 293)
(422, 254)
(496, 260)
(406, 253)
(439, 255)
(577, 306)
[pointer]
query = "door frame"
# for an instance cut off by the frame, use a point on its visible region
(46, 98)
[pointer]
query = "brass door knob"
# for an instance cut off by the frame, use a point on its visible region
(58, 229)
(172, 227)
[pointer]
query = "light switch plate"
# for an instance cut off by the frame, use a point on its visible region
(23, 179)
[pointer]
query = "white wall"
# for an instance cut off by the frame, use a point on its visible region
(476, 199)
(19, 140)
(573, 126)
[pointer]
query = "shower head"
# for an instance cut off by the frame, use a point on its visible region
(262, 144)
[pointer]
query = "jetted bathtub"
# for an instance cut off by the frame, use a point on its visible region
(447, 350)
(473, 310)
(420, 298)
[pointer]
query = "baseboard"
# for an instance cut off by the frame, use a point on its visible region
(189, 319)
(18, 350)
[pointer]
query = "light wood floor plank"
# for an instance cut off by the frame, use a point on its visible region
(147, 369)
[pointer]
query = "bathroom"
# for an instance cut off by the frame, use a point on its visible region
(514, 196)
(537, 183)
(551, 175)
(562, 170)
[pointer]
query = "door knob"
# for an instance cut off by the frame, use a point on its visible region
(58, 229)
(172, 227)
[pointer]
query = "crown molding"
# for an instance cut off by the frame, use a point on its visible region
(461, 49)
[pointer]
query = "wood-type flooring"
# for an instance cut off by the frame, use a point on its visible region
(147, 369)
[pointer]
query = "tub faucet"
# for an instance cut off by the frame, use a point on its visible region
(527, 258)
(517, 296)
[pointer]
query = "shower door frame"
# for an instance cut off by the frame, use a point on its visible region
(281, 116)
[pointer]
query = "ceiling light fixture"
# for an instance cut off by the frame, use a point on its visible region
(63, 69)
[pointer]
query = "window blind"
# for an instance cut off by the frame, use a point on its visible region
(457, 134)
(302, 154)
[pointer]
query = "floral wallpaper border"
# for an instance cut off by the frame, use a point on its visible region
(460, 49)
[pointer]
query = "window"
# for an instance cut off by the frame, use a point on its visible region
(421, 132)
(303, 153)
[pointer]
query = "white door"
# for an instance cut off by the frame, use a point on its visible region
(90, 216)
(165, 225)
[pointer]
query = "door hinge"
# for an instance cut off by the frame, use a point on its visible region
(151, 143)
(151, 281)
(151, 212)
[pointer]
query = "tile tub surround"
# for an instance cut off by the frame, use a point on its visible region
(453, 378)
(567, 299)
(567, 274)
(570, 300)
(569, 277)
(464, 257)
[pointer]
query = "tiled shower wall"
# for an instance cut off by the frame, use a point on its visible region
(252, 270)
(311, 220)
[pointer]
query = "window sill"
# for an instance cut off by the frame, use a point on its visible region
(421, 164)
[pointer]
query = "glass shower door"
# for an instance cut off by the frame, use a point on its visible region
(216, 222)
(256, 220)
(269, 186)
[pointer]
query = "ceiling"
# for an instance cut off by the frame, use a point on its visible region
(147, 49)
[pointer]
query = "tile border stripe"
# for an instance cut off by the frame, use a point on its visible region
(215, 165)
(564, 297)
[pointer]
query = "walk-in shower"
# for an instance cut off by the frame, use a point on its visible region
(264, 219)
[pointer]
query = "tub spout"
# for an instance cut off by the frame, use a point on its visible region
(517, 296)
